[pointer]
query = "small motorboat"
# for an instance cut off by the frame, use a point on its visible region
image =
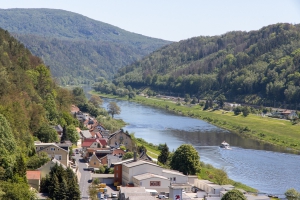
(225, 145)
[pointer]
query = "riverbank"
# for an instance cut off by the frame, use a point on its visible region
(269, 130)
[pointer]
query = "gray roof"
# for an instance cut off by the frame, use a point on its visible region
(168, 171)
(119, 131)
(149, 175)
(139, 162)
(47, 145)
(86, 134)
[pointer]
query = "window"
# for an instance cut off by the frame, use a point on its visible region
(154, 183)
(59, 157)
(174, 179)
(94, 163)
(52, 149)
(117, 175)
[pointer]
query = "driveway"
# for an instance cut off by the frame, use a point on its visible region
(85, 176)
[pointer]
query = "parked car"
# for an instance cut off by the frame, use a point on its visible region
(114, 195)
(161, 196)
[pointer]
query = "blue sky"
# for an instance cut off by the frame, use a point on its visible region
(176, 19)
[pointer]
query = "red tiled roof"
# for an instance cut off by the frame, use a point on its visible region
(104, 160)
(118, 151)
(33, 175)
(88, 142)
(99, 135)
(103, 141)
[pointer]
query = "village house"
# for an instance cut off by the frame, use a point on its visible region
(60, 153)
(34, 179)
(46, 168)
(119, 138)
(85, 134)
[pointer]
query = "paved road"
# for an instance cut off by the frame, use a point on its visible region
(85, 176)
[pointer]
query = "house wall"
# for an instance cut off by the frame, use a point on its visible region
(34, 183)
(55, 152)
(128, 173)
(164, 184)
(94, 162)
(121, 139)
(175, 178)
(118, 173)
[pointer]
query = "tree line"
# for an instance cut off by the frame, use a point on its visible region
(257, 67)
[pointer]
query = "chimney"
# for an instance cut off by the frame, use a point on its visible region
(134, 156)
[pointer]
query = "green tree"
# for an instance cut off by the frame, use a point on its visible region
(127, 155)
(246, 111)
(221, 99)
(292, 194)
(96, 101)
(50, 107)
(72, 134)
(113, 109)
(234, 195)
(187, 98)
(46, 134)
(164, 154)
(237, 110)
(8, 147)
(186, 160)
(37, 161)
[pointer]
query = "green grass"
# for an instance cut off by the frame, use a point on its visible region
(153, 152)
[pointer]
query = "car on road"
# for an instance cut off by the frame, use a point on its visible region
(161, 196)
(114, 195)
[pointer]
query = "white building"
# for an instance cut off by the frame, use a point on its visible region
(152, 181)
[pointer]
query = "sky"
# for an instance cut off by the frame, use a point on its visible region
(176, 20)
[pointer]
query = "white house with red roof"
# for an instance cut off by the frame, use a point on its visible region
(93, 143)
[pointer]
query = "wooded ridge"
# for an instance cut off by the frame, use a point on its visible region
(258, 67)
(77, 49)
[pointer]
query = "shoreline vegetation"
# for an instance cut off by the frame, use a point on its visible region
(208, 172)
(264, 129)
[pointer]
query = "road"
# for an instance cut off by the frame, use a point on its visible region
(85, 176)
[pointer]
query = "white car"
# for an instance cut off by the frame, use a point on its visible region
(114, 195)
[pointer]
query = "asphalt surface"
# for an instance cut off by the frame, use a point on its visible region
(85, 176)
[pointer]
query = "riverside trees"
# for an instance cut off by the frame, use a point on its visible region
(186, 160)
(113, 109)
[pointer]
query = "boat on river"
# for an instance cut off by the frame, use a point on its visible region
(225, 145)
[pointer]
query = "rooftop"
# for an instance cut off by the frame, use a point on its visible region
(33, 175)
(137, 163)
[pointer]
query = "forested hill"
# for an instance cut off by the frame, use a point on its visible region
(74, 46)
(29, 102)
(244, 66)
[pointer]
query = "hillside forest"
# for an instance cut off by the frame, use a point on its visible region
(30, 103)
(77, 49)
(258, 67)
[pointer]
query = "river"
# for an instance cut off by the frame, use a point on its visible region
(269, 169)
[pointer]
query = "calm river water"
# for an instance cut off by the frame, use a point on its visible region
(258, 165)
(269, 169)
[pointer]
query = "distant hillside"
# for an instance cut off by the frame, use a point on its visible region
(255, 67)
(74, 46)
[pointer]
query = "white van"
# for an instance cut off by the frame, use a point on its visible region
(152, 192)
